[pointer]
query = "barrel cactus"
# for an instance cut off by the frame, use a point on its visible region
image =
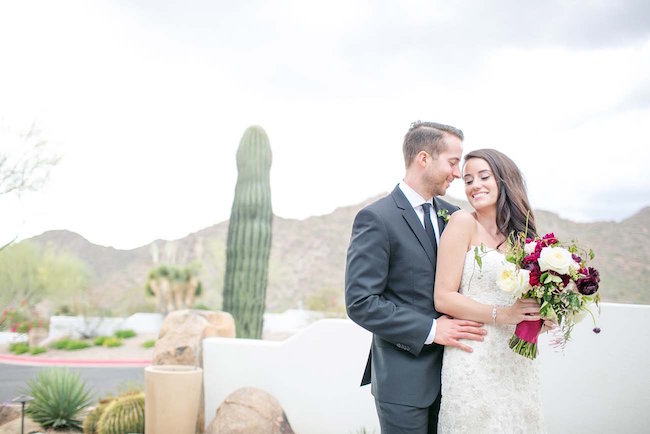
(249, 235)
(90, 422)
(123, 415)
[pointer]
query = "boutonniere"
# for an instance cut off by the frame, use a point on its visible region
(444, 214)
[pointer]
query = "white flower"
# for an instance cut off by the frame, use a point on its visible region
(513, 281)
(557, 259)
(530, 247)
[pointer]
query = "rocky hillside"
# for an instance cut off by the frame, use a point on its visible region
(308, 259)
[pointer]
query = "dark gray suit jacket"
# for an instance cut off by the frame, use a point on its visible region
(389, 282)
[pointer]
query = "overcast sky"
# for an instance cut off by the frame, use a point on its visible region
(146, 103)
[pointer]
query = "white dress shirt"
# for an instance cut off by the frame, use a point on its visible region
(416, 202)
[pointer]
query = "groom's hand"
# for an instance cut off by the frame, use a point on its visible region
(449, 331)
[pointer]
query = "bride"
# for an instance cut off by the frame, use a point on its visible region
(491, 389)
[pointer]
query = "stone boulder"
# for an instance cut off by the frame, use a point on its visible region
(250, 410)
(9, 412)
(181, 333)
(180, 337)
(13, 426)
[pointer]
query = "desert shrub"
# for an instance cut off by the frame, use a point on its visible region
(328, 300)
(37, 350)
(77, 345)
(70, 344)
(149, 344)
(112, 342)
(61, 344)
(124, 334)
(59, 397)
(19, 347)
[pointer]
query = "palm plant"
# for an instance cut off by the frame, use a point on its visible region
(59, 397)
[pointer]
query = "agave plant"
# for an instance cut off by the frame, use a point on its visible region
(59, 396)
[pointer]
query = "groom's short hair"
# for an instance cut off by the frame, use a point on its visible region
(428, 137)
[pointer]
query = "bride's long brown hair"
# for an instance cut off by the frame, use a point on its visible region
(514, 215)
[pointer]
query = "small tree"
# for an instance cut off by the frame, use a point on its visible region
(174, 288)
(24, 163)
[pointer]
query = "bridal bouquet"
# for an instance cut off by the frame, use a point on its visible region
(556, 274)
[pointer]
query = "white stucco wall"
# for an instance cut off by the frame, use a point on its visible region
(599, 384)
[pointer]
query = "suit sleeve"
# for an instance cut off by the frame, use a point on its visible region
(366, 278)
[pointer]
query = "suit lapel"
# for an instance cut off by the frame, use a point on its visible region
(441, 221)
(414, 223)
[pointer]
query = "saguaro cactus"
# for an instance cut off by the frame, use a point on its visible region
(249, 235)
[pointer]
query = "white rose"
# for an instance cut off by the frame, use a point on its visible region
(557, 259)
(513, 281)
(530, 247)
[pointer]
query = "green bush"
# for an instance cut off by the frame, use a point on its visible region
(124, 334)
(77, 345)
(70, 344)
(19, 347)
(149, 344)
(37, 350)
(61, 344)
(112, 342)
(99, 340)
(59, 397)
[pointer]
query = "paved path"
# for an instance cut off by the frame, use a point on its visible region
(100, 380)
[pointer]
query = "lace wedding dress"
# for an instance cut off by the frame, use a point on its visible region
(491, 390)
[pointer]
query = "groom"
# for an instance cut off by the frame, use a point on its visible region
(389, 281)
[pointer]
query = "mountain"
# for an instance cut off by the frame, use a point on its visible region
(307, 260)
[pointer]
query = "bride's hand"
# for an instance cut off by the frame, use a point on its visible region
(523, 310)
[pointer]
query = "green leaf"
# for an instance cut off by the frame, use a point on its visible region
(552, 278)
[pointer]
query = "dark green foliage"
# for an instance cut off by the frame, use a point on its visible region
(124, 334)
(59, 396)
(249, 235)
(123, 415)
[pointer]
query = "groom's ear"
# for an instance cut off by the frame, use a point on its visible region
(422, 158)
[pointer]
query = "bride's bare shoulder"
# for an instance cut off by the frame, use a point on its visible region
(462, 219)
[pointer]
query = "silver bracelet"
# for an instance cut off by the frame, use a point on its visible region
(494, 314)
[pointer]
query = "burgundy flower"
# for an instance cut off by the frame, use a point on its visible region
(535, 273)
(532, 258)
(576, 258)
(596, 330)
(549, 240)
(588, 285)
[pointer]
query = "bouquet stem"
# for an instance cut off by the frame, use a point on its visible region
(524, 341)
